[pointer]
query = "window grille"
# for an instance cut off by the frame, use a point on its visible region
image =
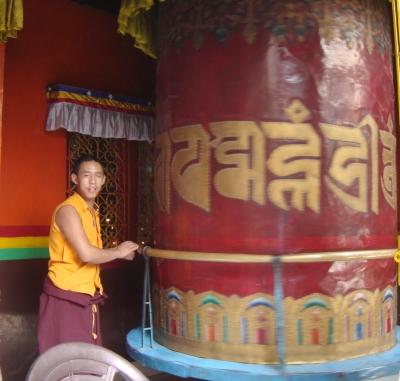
(112, 200)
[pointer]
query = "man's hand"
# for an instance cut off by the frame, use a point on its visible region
(127, 250)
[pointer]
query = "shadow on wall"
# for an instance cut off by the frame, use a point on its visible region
(20, 287)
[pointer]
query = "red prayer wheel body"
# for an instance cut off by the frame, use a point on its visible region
(275, 136)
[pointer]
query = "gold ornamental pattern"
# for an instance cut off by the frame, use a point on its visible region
(317, 327)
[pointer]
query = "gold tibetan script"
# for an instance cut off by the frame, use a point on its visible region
(190, 169)
(388, 179)
(299, 155)
(239, 146)
(352, 161)
(277, 162)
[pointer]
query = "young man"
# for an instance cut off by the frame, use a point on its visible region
(72, 290)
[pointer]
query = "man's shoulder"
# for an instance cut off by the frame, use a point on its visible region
(72, 200)
(67, 215)
(64, 212)
(66, 205)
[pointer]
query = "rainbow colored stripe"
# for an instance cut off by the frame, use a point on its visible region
(98, 100)
(23, 242)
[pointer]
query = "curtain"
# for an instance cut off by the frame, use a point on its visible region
(11, 18)
(99, 114)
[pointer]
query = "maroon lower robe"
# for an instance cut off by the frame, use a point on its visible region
(67, 316)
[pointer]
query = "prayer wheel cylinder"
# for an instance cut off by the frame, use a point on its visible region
(275, 139)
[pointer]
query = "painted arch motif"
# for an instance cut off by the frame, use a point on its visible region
(258, 322)
(211, 317)
(315, 322)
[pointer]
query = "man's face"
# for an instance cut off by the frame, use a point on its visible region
(89, 180)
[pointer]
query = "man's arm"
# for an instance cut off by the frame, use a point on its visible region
(70, 225)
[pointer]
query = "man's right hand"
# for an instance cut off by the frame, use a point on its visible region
(127, 250)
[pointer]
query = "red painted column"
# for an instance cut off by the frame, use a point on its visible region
(276, 136)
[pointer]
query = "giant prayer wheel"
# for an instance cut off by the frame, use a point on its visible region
(275, 180)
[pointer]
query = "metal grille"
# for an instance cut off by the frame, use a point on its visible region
(112, 201)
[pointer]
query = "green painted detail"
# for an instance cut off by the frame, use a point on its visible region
(226, 329)
(299, 331)
(198, 327)
(315, 302)
(210, 299)
(24, 253)
(330, 330)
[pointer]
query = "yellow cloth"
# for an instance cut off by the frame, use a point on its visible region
(66, 270)
(11, 18)
(397, 259)
(135, 22)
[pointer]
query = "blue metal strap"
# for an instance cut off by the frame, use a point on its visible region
(280, 318)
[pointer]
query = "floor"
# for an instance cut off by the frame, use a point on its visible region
(168, 377)
(155, 375)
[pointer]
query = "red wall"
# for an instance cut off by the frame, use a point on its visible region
(2, 51)
(62, 42)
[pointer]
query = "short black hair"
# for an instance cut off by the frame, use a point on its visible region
(82, 159)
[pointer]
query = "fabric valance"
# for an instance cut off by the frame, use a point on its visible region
(99, 114)
(11, 18)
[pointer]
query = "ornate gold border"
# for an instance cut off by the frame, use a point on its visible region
(317, 327)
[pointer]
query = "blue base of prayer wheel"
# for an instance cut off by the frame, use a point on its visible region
(384, 366)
